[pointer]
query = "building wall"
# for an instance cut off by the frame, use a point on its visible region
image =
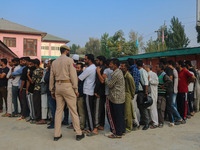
(195, 59)
(52, 48)
(18, 50)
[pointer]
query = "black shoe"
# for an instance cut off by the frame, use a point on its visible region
(57, 138)
(65, 123)
(145, 127)
(79, 137)
(50, 127)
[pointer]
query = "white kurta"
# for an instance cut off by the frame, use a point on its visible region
(153, 81)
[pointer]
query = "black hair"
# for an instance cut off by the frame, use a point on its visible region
(171, 62)
(160, 65)
(81, 64)
(15, 59)
(27, 58)
(107, 62)
(37, 62)
(187, 62)
(90, 57)
(62, 50)
(5, 61)
(51, 60)
(130, 61)
(115, 61)
(163, 61)
(101, 58)
(139, 63)
(181, 63)
(126, 64)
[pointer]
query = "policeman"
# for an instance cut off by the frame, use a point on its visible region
(64, 88)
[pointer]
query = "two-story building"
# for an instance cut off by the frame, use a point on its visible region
(25, 41)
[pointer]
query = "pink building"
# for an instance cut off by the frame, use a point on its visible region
(25, 41)
(5, 52)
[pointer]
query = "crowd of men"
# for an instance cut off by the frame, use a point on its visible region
(98, 88)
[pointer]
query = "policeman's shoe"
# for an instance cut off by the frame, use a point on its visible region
(57, 138)
(79, 137)
(145, 127)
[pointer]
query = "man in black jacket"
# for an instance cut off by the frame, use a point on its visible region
(100, 97)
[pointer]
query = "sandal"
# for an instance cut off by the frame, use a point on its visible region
(153, 126)
(70, 127)
(171, 124)
(91, 134)
(112, 136)
(86, 131)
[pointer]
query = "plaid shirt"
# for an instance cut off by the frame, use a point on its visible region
(117, 87)
(136, 76)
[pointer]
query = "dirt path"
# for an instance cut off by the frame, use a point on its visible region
(20, 135)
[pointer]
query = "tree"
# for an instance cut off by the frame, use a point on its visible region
(93, 47)
(198, 33)
(73, 48)
(104, 45)
(151, 46)
(81, 51)
(176, 36)
(133, 37)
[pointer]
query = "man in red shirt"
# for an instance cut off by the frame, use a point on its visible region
(184, 78)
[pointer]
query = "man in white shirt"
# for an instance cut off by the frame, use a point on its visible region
(89, 76)
(15, 85)
(9, 91)
(153, 80)
(142, 95)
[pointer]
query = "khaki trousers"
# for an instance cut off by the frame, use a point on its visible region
(129, 114)
(81, 112)
(65, 93)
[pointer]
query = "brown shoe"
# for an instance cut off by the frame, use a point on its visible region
(1, 111)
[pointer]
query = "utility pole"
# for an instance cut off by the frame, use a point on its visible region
(158, 39)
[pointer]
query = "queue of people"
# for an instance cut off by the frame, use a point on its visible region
(128, 93)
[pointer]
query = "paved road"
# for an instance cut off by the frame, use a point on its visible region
(20, 135)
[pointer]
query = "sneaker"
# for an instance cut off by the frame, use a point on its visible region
(28, 119)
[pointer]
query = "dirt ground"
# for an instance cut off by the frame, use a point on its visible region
(20, 135)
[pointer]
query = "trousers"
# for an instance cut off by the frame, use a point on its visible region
(9, 100)
(99, 111)
(81, 112)
(31, 105)
(161, 105)
(65, 94)
(25, 109)
(129, 114)
(3, 95)
(37, 104)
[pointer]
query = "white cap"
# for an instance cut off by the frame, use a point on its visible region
(75, 57)
(46, 61)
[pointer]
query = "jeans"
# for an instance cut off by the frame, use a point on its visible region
(52, 105)
(176, 114)
(15, 94)
(190, 102)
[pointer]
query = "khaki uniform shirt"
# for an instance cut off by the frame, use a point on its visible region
(63, 69)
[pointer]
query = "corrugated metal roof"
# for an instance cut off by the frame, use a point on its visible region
(11, 26)
(50, 37)
(183, 51)
(7, 49)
